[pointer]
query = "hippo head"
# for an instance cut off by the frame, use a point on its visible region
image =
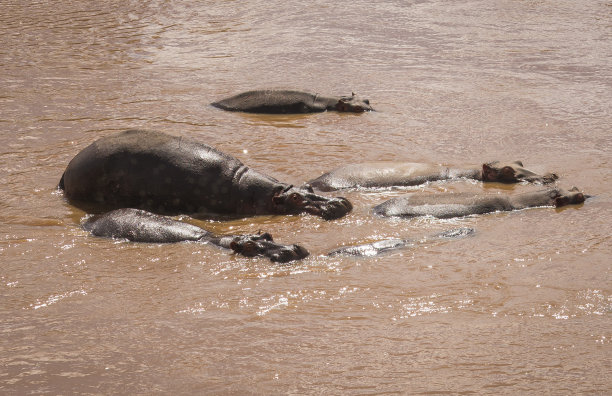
(264, 245)
(353, 104)
(513, 173)
(570, 197)
(292, 200)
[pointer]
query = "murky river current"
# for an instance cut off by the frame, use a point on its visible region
(522, 306)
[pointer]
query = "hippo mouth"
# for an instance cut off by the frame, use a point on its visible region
(571, 197)
(263, 245)
(331, 209)
(353, 104)
(514, 173)
(291, 200)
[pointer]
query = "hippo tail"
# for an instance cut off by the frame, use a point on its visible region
(60, 185)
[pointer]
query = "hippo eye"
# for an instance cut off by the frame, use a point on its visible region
(295, 197)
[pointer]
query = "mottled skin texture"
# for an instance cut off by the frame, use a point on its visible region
(291, 102)
(167, 174)
(402, 174)
(463, 204)
(388, 245)
(140, 226)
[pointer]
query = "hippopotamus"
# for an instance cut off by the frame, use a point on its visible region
(387, 245)
(404, 174)
(167, 174)
(292, 102)
(141, 226)
(449, 205)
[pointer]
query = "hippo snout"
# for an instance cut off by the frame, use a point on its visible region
(334, 208)
(295, 201)
(570, 197)
(264, 245)
(289, 253)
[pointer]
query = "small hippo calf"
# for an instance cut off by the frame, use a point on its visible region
(140, 226)
(451, 205)
(291, 102)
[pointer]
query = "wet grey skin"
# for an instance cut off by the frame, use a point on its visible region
(140, 226)
(404, 174)
(167, 174)
(390, 245)
(292, 102)
(451, 205)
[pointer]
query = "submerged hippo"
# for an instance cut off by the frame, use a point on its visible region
(291, 102)
(462, 204)
(167, 174)
(403, 174)
(380, 247)
(140, 226)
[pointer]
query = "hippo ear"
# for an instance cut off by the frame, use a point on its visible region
(490, 167)
(279, 196)
(488, 173)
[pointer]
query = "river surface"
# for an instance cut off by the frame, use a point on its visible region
(521, 307)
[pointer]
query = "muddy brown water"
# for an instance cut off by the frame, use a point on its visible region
(521, 307)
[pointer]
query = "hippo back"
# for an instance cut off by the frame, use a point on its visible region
(141, 226)
(154, 171)
(273, 102)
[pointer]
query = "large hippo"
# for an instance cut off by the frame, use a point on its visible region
(450, 205)
(387, 245)
(140, 226)
(291, 102)
(402, 174)
(168, 174)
